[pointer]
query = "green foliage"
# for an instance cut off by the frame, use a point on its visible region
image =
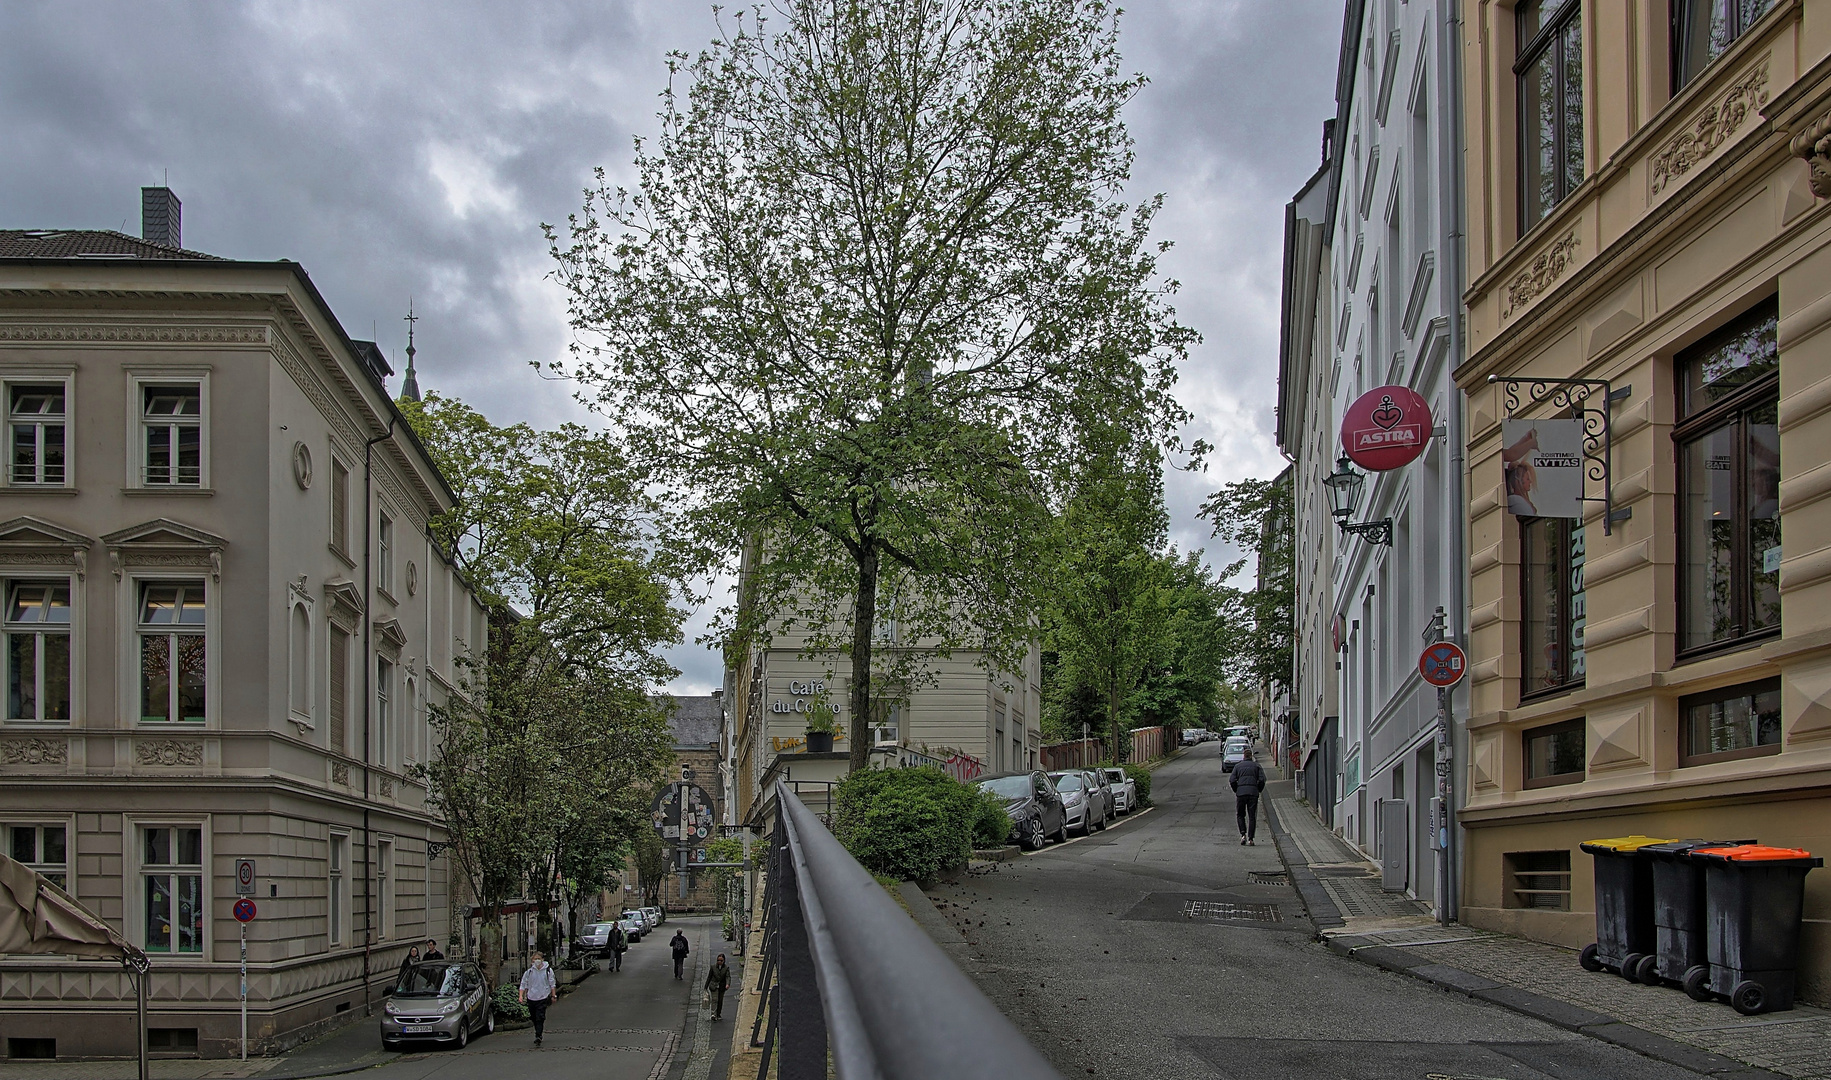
(991, 821)
(874, 288)
(724, 878)
(652, 865)
(821, 720)
(507, 1002)
(909, 824)
(1141, 779)
(1256, 516)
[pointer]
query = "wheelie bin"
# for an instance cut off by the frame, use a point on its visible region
(1755, 898)
(1624, 905)
(1679, 921)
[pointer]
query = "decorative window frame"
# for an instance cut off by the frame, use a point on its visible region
(162, 550)
(35, 549)
(133, 864)
(339, 459)
(68, 821)
(39, 375)
(297, 599)
(342, 612)
(338, 931)
(139, 377)
(387, 558)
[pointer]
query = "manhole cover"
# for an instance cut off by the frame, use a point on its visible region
(1216, 911)
(1267, 877)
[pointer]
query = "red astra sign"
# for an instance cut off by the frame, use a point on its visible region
(1385, 428)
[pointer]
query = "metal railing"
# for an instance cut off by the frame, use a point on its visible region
(845, 969)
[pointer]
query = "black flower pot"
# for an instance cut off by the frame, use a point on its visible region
(819, 742)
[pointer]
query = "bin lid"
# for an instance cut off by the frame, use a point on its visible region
(1760, 853)
(1622, 845)
(1676, 848)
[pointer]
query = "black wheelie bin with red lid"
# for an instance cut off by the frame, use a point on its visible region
(1755, 897)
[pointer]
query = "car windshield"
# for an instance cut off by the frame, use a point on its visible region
(1116, 775)
(1070, 782)
(430, 980)
(1007, 787)
(598, 928)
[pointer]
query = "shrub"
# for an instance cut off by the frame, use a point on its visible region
(1141, 778)
(508, 1006)
(909, 824)
(991, 821)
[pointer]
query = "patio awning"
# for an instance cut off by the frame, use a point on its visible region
(37, 917)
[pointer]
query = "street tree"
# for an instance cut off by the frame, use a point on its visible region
(874, 283)
(1255, 516)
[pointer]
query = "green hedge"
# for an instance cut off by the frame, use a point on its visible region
(909, 824)
(1141, 778)
(507, 1003)
(991, 822)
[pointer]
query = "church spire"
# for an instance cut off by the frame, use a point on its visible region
(410, 386)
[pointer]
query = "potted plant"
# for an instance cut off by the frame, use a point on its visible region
(821, 729)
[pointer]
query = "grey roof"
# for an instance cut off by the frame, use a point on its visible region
(695, 721)
(89, 244)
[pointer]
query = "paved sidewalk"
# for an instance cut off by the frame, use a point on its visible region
(1531, 977)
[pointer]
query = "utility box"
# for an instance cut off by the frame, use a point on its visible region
(1395, 844)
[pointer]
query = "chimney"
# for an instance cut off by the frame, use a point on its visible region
(161, 217)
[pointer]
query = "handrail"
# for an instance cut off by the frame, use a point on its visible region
(853, 969)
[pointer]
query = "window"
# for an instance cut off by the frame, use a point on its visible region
(384, 719)
(38, 650)
(1556, 753)
(1703, 29)
(1735, 722)
(384, 561)
(1554, 612)
(340, 691)
(338, 906)
(171, 875)
(299, 653)
(1550, 78)
(172, 654)
(1729, 484)
(1538, 879)
(384, 874)
(36, 419)
(171, 420)
(340, 508)
(42, 848)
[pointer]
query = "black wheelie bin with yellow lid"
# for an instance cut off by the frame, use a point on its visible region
(1624, 905)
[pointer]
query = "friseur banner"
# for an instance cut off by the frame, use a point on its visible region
(1543, 461)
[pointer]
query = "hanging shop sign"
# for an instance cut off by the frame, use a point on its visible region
(1543, 463)
(1386, 428)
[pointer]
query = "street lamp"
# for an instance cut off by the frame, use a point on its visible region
(1345, 486)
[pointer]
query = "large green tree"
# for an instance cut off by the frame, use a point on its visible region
(1256, 517)
(874, 282)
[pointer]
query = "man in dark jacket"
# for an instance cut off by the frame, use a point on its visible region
(679, 945)
(1248, 781)
(619, 944)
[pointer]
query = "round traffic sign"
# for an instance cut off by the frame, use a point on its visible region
(1385, 428)
(1442, 664)
(244, 910)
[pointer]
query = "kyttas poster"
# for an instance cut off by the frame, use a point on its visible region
(1543, 462)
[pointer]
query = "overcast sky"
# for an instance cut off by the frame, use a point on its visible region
(413, 149)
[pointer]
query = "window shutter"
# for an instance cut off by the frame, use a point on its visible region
(340, 677)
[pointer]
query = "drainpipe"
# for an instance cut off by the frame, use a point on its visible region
(368, 704)
(1449, 899)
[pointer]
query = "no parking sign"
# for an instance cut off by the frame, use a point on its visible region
(1442, 664)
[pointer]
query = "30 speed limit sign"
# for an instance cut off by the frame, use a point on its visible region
(244, 877)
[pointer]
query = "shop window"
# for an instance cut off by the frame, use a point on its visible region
(1735, 722)
(171, 872)
(1703, 30)
(37, 650)
(1555, 612)
(1556, 753)
(1729, 485)
(1538, 879)
(1549, 74)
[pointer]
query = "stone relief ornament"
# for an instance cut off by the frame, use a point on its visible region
(1814, 145)
(302, 465)
(1546, 269)
(34, 752)
(340, 773)
(1713, 126)
(386, 787)
(168, 752)
(413, 578)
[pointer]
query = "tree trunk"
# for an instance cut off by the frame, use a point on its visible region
(489, 947)
(864, 625)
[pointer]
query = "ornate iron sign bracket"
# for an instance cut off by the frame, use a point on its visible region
(1589, 400)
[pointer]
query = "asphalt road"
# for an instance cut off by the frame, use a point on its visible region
(621, 1025)
(1148, 950)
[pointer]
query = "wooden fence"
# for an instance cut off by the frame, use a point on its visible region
(1147, 743)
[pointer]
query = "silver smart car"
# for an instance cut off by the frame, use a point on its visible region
(440, 1001)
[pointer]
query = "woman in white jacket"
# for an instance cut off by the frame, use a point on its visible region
(538, 987)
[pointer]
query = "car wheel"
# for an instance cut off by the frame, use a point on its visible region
(489, 1021)
(463, 1032)
(1034, 838)
(392, 1046)
(1061, 834)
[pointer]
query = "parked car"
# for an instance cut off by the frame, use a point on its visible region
(634, 926)
(1035, 807)
(1234, 753)
(1081, 800)
(1192, 736)
(656, 916)
(437, 1002)
(1109, 802)
(593, 939)
(1125, 789)
(1242, 731)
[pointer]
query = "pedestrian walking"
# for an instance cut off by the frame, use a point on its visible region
(718, 980)
(619, 944)
(538, 986)
(1248, 780)
(431, 951)
(679, 947)
(408, 963)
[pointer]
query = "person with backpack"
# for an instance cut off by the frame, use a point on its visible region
(1248, 780)
(679, 946)
(539, 985)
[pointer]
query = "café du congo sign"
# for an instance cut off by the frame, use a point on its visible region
(1386, 428)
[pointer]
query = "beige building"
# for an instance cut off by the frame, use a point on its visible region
(203, 470)
(1644, 211)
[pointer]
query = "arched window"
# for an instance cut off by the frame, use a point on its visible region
(299, 650)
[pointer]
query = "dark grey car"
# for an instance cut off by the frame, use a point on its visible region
(1034, 805)
(439, 1001)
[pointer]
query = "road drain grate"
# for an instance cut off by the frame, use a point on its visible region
(1216, 911)
(1267, 877)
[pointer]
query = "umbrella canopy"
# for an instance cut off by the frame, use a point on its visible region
(38, 917)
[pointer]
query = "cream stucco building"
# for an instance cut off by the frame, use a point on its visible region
(1644, 213)
(203, 471)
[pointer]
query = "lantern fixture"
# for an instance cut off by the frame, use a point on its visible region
(1345, 486)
